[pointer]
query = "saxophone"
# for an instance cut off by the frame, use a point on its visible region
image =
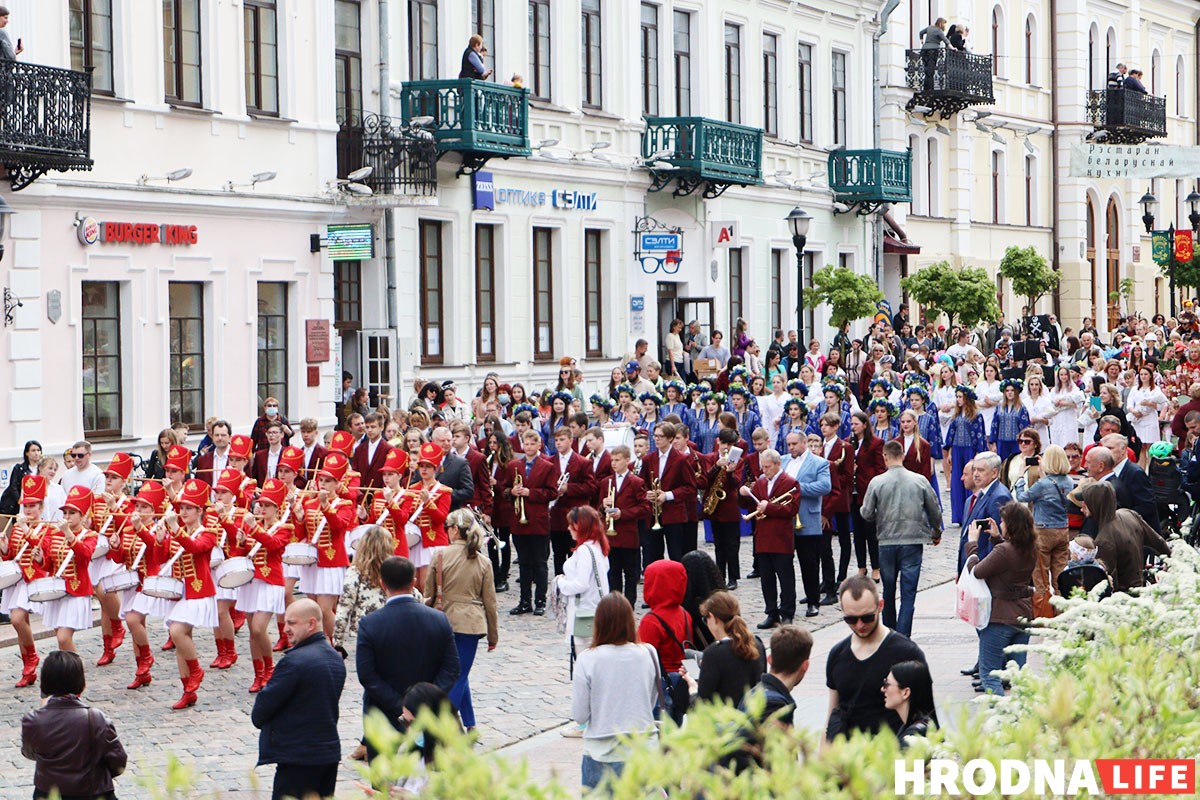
(716, 492)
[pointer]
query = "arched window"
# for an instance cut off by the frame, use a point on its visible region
(1155, 69)
(932, 176)
(998, 186)
(920, 202)
(1093, 46)
(998, 41)
(1030, 51)
(1110, 50)
(1180, 87)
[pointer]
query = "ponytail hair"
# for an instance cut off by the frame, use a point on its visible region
(468, 530)
(724, 606)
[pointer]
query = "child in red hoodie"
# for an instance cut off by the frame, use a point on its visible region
(666, 626)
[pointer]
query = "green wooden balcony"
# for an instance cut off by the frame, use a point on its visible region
(478, 119)
(697, 150)
(870, 178)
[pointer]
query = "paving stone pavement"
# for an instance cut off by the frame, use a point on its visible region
(519, 691)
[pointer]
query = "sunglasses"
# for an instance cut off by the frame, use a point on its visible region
(853, 619)
(1025, 441)
(78, 455)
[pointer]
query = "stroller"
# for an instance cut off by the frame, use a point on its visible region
(1081, 576)
(1166, 479)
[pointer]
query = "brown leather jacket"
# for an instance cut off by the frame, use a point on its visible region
(75, 747)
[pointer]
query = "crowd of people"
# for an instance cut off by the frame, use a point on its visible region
(1036, 435)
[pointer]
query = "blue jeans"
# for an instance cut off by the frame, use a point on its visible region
(901, 561)
(992, 641)
(460, 692)
(594, 771)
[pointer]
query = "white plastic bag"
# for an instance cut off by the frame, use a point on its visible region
(974, 604)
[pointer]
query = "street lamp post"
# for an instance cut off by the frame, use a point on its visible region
(1149, 202)
(798, 221)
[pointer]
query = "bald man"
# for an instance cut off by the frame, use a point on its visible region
(297, 711)
(1132, 484)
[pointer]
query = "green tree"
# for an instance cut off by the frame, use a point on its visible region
(1029, 273)
(1187, 273)
(968, 295)
(850, 296)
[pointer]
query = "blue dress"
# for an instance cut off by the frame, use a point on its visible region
(548, 429)
(704, 434)
(1007, 425)
(931, 431)
(785, 427)
(685, 413)
(747, 422)
(892, 432)
(965, 439)
(616, 416)
(814, 420)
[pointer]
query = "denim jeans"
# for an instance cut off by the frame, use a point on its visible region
(460, 692)
(992, 641)
(901, 561)
(594, 771)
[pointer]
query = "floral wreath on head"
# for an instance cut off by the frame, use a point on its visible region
(917, 379)
(601, 401)
(530, 407)
(884, 383)
(677, 385)
(917, 389)
(799, 385)
(836, 388)
(794, 401)
(1015, 383)
(880, 402)
(966, 391)
(566, 397)
(717, 397)
(653, 397)
(625, 388)
(739, 373)
(739, 388)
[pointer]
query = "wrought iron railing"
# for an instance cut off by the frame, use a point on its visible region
(1138, 115)
(716, 150)
(470, 115)
(950, 72)
(45, 120)
(402, 160)
(871, 176)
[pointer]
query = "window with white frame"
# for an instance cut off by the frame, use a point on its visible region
(733, 72)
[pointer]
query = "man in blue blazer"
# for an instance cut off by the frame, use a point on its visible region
(985, 503)
(297, 711)
(811, 472)
(402, 644)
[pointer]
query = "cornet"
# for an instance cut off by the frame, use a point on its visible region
(783, 498)
(612, 500)
(655, 487)
(563, 480)
(519, 502)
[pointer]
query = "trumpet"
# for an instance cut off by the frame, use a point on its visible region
(519, 502)
(612, 503)
(563, 480)
(657, 508)
(783, 498)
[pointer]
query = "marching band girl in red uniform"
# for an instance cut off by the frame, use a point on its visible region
(68, 550)
(193, 542)
(385, 504)
(150, 503)
(24, 539)
(426, 507)
(327, 517)
(263, 541)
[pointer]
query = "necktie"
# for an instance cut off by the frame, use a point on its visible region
(971, 506)
(528, 467)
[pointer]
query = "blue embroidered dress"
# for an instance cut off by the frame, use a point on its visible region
(681, 409)
(786, 427)
(704, 434)
(747, 421)
(965, 439)
(814, 420)
(1007, 424)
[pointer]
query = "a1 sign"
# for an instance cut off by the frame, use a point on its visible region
(726, 234)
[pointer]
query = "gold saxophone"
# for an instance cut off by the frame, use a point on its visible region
(716, 492)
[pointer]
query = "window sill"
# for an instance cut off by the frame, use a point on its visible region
(110, 98)
(197, 110)
(117, 439)
(264, 116)
(546, 105)
(600, 113)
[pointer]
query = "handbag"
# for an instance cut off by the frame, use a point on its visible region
(585, 619)
(674, 688)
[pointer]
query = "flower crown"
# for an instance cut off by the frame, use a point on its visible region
(738, 388)
(566, 397)
(603, 402)
(530, 407)
(836, 388)
(739, 372)
(917, 379)
(654, 397)
(625, 388)
(795, 401)
(718, 397)
(880, 402)
(675, 384)
(1015, 383)
(798, 385)
(966, 391)
(883, 382)
(917, 389)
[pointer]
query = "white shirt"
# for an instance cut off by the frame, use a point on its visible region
(563, 460)
(371, 448)
(771, 484)
(662, 461)
(308, 455)
(908, 442)
(90, 478)
(620, 479)
(829, 443)
(273, 461)
(794, 464)
(220, 461)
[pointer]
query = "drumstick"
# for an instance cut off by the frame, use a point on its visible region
(21, 552)
(166, 568)
(138, 558)
(254, 550)
(65, 563)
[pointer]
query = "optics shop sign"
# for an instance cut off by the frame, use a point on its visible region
(566, 199)
(92, 231)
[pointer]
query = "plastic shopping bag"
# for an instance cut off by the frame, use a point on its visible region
(974, 604)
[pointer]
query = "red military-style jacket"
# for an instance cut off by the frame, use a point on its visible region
(432, 519)
(580, 487)
(268, 559)
(918, 458)
(54, 553)
(868, 463)
(193, 566)
(388, 516)
(841, 478)
(331, 542)
(30, 570)
(729, 509)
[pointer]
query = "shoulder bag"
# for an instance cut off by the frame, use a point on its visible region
(675, 688)
(585, 619)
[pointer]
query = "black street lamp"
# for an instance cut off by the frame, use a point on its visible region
(798, 221)
(1193, 201)
(1149, 202)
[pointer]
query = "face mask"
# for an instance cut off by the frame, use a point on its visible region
(272, 411)
(505, 399)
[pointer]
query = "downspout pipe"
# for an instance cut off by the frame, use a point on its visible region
(877, 141)
(1055, 261)
(385, 110)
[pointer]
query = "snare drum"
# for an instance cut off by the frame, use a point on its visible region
(234, 572)
(301, 554)
(119, 581)
(620, 435)
(101, 548)
(163, 587)
(10, 574)
(355, 536)
(413, 533)
(45, 590)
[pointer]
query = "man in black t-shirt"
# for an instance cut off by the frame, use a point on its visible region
(859, 664)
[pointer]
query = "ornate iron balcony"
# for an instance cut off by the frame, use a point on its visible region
(403, 161)
(699, 151)
(948, 81)
(869, 178)
(45, 120)
(1126, 116)
(479, 119)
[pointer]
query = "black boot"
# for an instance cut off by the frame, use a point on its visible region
(522, 608)
(539, 610)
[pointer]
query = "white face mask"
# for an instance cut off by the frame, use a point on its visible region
(272, 411)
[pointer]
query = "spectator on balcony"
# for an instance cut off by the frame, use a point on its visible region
(1134, 82)
(1116, 78)
(933, 39)
(472, 60)
(958, 38)
(7, 52)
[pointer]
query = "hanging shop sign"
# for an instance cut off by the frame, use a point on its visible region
(93, 231)
(659, 246)
(350, 242)
(1134, 161)
(726, 234)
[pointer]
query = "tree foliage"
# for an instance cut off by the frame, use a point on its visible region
(850, 296)
(968, 295)
(1187, 273)
(1029, 273)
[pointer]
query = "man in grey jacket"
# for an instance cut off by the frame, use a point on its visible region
(906, 514)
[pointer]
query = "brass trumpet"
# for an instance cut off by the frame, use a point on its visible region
(783, 498)
(612, 500)
(518, 482)
(657, 507)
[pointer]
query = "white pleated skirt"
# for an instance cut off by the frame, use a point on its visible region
(260, 596)
(102, 567)
(148, 606)
(322, 580)
(127, 597)
(68, 612)
(227, 594)
(420, 555)
(17, 596)
(200, 613)
(292, 571)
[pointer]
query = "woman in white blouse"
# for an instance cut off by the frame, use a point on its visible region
(1145, 402)
(584, 579)
(1038, 402)
(943, 396)
(1066, 401)
(988, 390)
(673, 344)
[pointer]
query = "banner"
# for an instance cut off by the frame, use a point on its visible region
(1134, 161)
(1160, 247)
(1183, 245)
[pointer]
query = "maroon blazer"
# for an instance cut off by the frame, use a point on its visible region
(775, 531)
(841, 477)
(601, 469)
(482, 479)
(314, 464)
(204, 469)
(867, 464)
(503, 515)
(750, 468)
(678, 478)
(540, 482)
(371, 478)
(699, 471)
(258, 465)
(729, 509)
(581, 486)
(632, 502)
(918, 459)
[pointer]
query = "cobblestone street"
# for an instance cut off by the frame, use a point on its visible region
(519, 691)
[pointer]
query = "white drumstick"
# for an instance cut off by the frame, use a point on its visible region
(66, 561)
(167, 567)
(21, 552)
(138, 558)
(254, 550)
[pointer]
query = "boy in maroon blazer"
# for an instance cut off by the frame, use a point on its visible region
(536, 488)
(631, 505)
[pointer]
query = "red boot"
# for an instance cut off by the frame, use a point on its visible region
(118, 633)
(29, 660)
(195, 675)
(282, 643)
(231, 655)
(145, 660)
(220, 659)
(268, 670)
(239, 619)
(108, 655)
(169, 644)
(189, 696)
(258, 677)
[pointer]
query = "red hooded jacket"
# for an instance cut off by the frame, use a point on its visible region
(664, 585)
